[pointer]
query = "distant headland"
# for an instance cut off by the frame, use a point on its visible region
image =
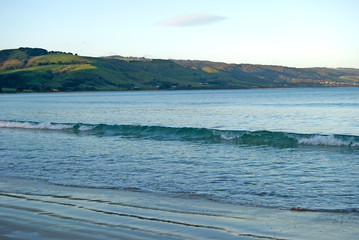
(26, 70)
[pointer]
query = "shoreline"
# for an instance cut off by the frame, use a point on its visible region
(176, 90)
(36, 210)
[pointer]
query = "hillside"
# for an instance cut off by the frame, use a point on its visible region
(284, 76)
(38, 70)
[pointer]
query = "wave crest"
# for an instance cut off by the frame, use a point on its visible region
(329, 140)
(254, 138)
(34, 125)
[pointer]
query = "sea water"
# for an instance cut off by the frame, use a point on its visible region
(272, 148)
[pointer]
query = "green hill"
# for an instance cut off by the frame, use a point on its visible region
(38, 70)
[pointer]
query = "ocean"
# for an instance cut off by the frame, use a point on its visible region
(282, 149)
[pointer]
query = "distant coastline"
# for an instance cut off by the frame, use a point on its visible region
(33, 70)
(166, 90)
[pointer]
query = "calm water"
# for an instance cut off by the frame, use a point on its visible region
(280, 148)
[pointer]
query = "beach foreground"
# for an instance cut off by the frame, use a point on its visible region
(83, 213)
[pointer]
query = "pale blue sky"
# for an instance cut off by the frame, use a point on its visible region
(298, 33)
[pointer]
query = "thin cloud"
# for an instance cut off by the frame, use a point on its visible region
(190, 20)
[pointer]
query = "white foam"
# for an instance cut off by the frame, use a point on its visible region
(329, 140)
(227, 136)
(30, 125)
(86, 128)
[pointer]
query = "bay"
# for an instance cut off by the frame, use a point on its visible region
(277, 148)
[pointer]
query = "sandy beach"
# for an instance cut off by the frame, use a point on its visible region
(83, 213)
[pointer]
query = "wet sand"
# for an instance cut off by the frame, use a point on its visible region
(56, 212)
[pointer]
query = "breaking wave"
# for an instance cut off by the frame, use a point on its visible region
(256, 138)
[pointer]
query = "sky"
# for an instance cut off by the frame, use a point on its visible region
(295, 33)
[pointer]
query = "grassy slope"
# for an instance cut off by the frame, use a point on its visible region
(39, 73)
(29, 70)
(281, 76)
(56, 59)
(67, 72)
(20, 54)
